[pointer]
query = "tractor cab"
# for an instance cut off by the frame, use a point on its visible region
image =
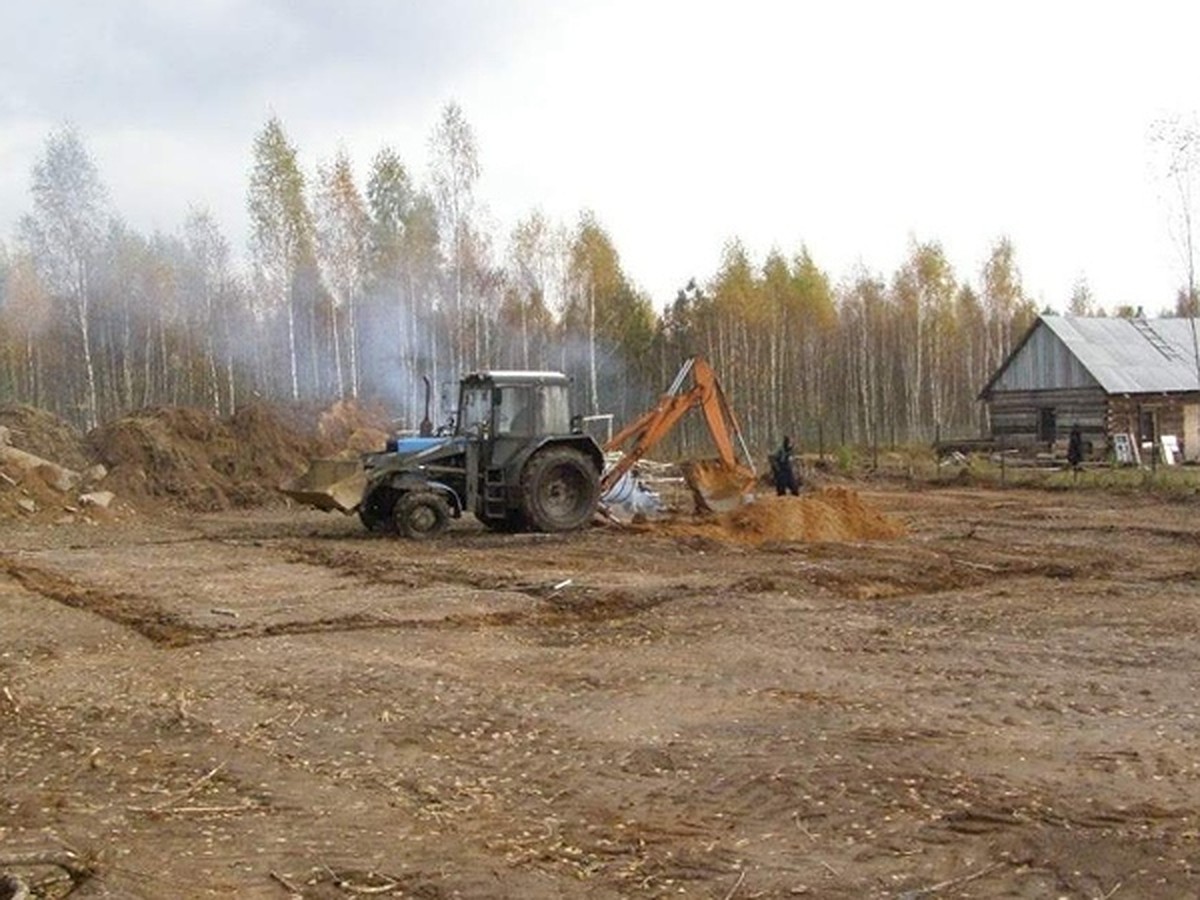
(504, 410)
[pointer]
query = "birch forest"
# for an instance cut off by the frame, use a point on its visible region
(357, 284)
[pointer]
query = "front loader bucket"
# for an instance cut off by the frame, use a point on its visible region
(329, 484)
(717, 487)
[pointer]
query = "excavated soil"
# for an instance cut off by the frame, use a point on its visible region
(836, 513)
(863, 692)
(180, 459)
(190, 459)
(44, 434)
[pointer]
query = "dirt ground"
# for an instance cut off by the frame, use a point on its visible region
(1000, 698)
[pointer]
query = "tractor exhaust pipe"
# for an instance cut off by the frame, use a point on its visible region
(427, 423)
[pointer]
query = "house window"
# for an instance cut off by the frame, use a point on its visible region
(1047, 424)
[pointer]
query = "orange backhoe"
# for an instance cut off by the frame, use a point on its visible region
(719, 483)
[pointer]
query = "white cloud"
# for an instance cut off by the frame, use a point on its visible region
(850, 127)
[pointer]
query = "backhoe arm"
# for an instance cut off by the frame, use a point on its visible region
(643, 434)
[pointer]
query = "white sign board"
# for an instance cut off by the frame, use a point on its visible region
(1170, 449)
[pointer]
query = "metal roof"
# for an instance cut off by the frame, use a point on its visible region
(1124, 356)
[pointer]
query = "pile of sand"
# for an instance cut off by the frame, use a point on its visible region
(828, 514)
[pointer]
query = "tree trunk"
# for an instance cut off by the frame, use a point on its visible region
(291, 334)
(91, 406)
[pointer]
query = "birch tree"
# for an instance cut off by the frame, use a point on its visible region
(25, 311)
(533, 251)
(1081, 302)
(1004, 300)
(405, 259)
(63, 235)
(608, 313)
(1178, 142)
(455, 171)
(809, 329)
(343, 230)
(281, 229)
(205, 283)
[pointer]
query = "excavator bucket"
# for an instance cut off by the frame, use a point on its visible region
(329, 484)
(716, 486)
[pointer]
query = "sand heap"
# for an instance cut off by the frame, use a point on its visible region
(827, 514)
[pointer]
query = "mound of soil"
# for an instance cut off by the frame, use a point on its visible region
(182, 456)
(58, 490)
(353, 428)
(829, 514)
(44, 434)
(190, 459)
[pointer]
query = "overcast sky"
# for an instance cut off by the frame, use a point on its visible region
(852, 127)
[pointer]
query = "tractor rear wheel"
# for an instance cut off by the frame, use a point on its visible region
(560, 489)
(421, 515)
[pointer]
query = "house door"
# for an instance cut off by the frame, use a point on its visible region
(1047, 425)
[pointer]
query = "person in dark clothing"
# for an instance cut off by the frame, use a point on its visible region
(1075, 448)
(782, 471)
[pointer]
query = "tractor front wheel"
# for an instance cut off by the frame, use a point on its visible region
(376, 511)
(421, 515)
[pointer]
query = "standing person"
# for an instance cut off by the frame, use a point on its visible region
(1075, 448)
(782, 471)
(1075, 451)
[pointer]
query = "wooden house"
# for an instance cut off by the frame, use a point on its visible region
(1124, 382)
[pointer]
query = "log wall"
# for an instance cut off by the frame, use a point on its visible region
(1016, 415)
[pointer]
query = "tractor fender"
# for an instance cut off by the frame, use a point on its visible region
(404, 482)
(582, 442)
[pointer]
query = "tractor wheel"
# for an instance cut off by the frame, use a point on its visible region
(560, 489)
(375, 512)
(421, 515)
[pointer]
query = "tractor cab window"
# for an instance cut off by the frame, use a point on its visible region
(516, 412)
(530, 410)
(555, 404)
(475, 412)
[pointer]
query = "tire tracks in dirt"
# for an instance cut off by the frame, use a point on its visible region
(557, 605)
(131, 610)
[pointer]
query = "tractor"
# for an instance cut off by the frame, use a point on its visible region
(515, 458)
